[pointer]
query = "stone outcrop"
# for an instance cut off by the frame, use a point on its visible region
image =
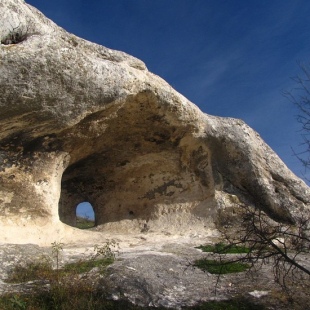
(80, 122)
(159, 275)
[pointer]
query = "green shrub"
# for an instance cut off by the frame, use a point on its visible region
(30, 271)
(220, 267)
(83, 266)
(222, 248)
(74, 298)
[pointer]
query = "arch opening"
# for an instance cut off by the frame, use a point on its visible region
(85, 215)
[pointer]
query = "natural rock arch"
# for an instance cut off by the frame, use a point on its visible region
(82, 122)
(85, 215)
(86, 210)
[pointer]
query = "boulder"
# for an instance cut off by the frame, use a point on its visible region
(81, 122)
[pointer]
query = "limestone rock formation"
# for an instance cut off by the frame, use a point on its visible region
(80, 122)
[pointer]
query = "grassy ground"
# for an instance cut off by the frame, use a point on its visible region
(222, 248)
(220, 267)
(77, 285)
(79, 298)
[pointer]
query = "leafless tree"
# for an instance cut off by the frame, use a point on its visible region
(286, 246)
(300, 96)
(282, 245)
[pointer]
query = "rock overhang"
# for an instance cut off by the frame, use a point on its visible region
(80, 122)
(134, 164)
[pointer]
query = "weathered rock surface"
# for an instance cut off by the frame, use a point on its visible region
(150, 274)
(166, 277)
(80, 122)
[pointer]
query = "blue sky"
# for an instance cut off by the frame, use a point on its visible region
(231, 58)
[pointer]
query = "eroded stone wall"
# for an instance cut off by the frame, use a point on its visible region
(80, 122)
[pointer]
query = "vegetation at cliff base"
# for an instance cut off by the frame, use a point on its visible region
(222, 248)
(220, 266)
(84, 222)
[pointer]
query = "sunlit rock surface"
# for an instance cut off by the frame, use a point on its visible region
(80, 122)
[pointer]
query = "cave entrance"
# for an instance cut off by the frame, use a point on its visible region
(85, 215)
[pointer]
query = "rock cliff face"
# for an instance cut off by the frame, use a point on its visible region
(80, 122)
